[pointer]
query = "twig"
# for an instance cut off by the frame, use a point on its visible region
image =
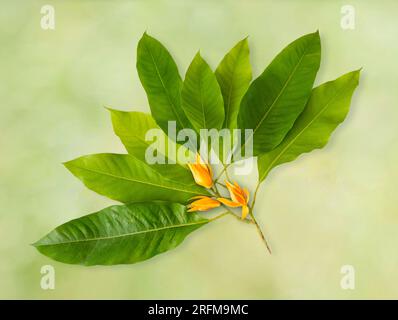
(259, 231)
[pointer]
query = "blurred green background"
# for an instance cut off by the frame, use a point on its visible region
(333, 207)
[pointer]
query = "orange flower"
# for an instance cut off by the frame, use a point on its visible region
(201, 172)
(202, 204)
(239, 196)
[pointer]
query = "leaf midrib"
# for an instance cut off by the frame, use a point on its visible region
(164, 87)
(137, 181)
(279, 95)
(227, 122)
(201, 99)
(300, 133)
(127, 234)
(281, 91)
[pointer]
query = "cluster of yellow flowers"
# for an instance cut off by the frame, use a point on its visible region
(203, 176)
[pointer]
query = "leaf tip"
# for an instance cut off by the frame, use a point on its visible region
(112, 111)
(315, 34)
(146, 36)
(245, 42)
(245, 39)
(356, 74)
(36, 244)
(67, 164)
(197, 58)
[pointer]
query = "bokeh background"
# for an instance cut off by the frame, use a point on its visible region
(333, 207)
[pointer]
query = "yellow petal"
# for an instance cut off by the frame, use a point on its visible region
(202, 203)
(230, 186)
(229, 203)
(198, 197)
(247, 194)
(245, 211)
(201, 175)
(210, 171)
(237, 193)
(231, 189)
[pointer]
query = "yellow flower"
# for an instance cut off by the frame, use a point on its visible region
(203, 203)
(239, 196)
(201, 173)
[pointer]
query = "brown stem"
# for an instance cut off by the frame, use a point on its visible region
(259, 230)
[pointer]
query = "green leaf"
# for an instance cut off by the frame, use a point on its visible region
(160, 78)
(234, 75)
(201, 96)
(131, 128)
(124, 178)
(326, 109)
(122, 234)
(276, 98)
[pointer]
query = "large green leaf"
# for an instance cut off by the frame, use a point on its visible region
(234, 74)
(326, 109)
(201, 96)
(125, 178)
(276, 98)
(160, 78)
(120, 234)
(131, 128)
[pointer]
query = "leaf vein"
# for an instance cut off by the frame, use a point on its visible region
(127, 234)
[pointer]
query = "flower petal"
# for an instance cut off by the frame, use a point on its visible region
(198, 197)
(203, 207)
(247, 194)
(229, 203)
(201, 175)
(245, 211)
(202, 203)
(237, 193)
(232, 190)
